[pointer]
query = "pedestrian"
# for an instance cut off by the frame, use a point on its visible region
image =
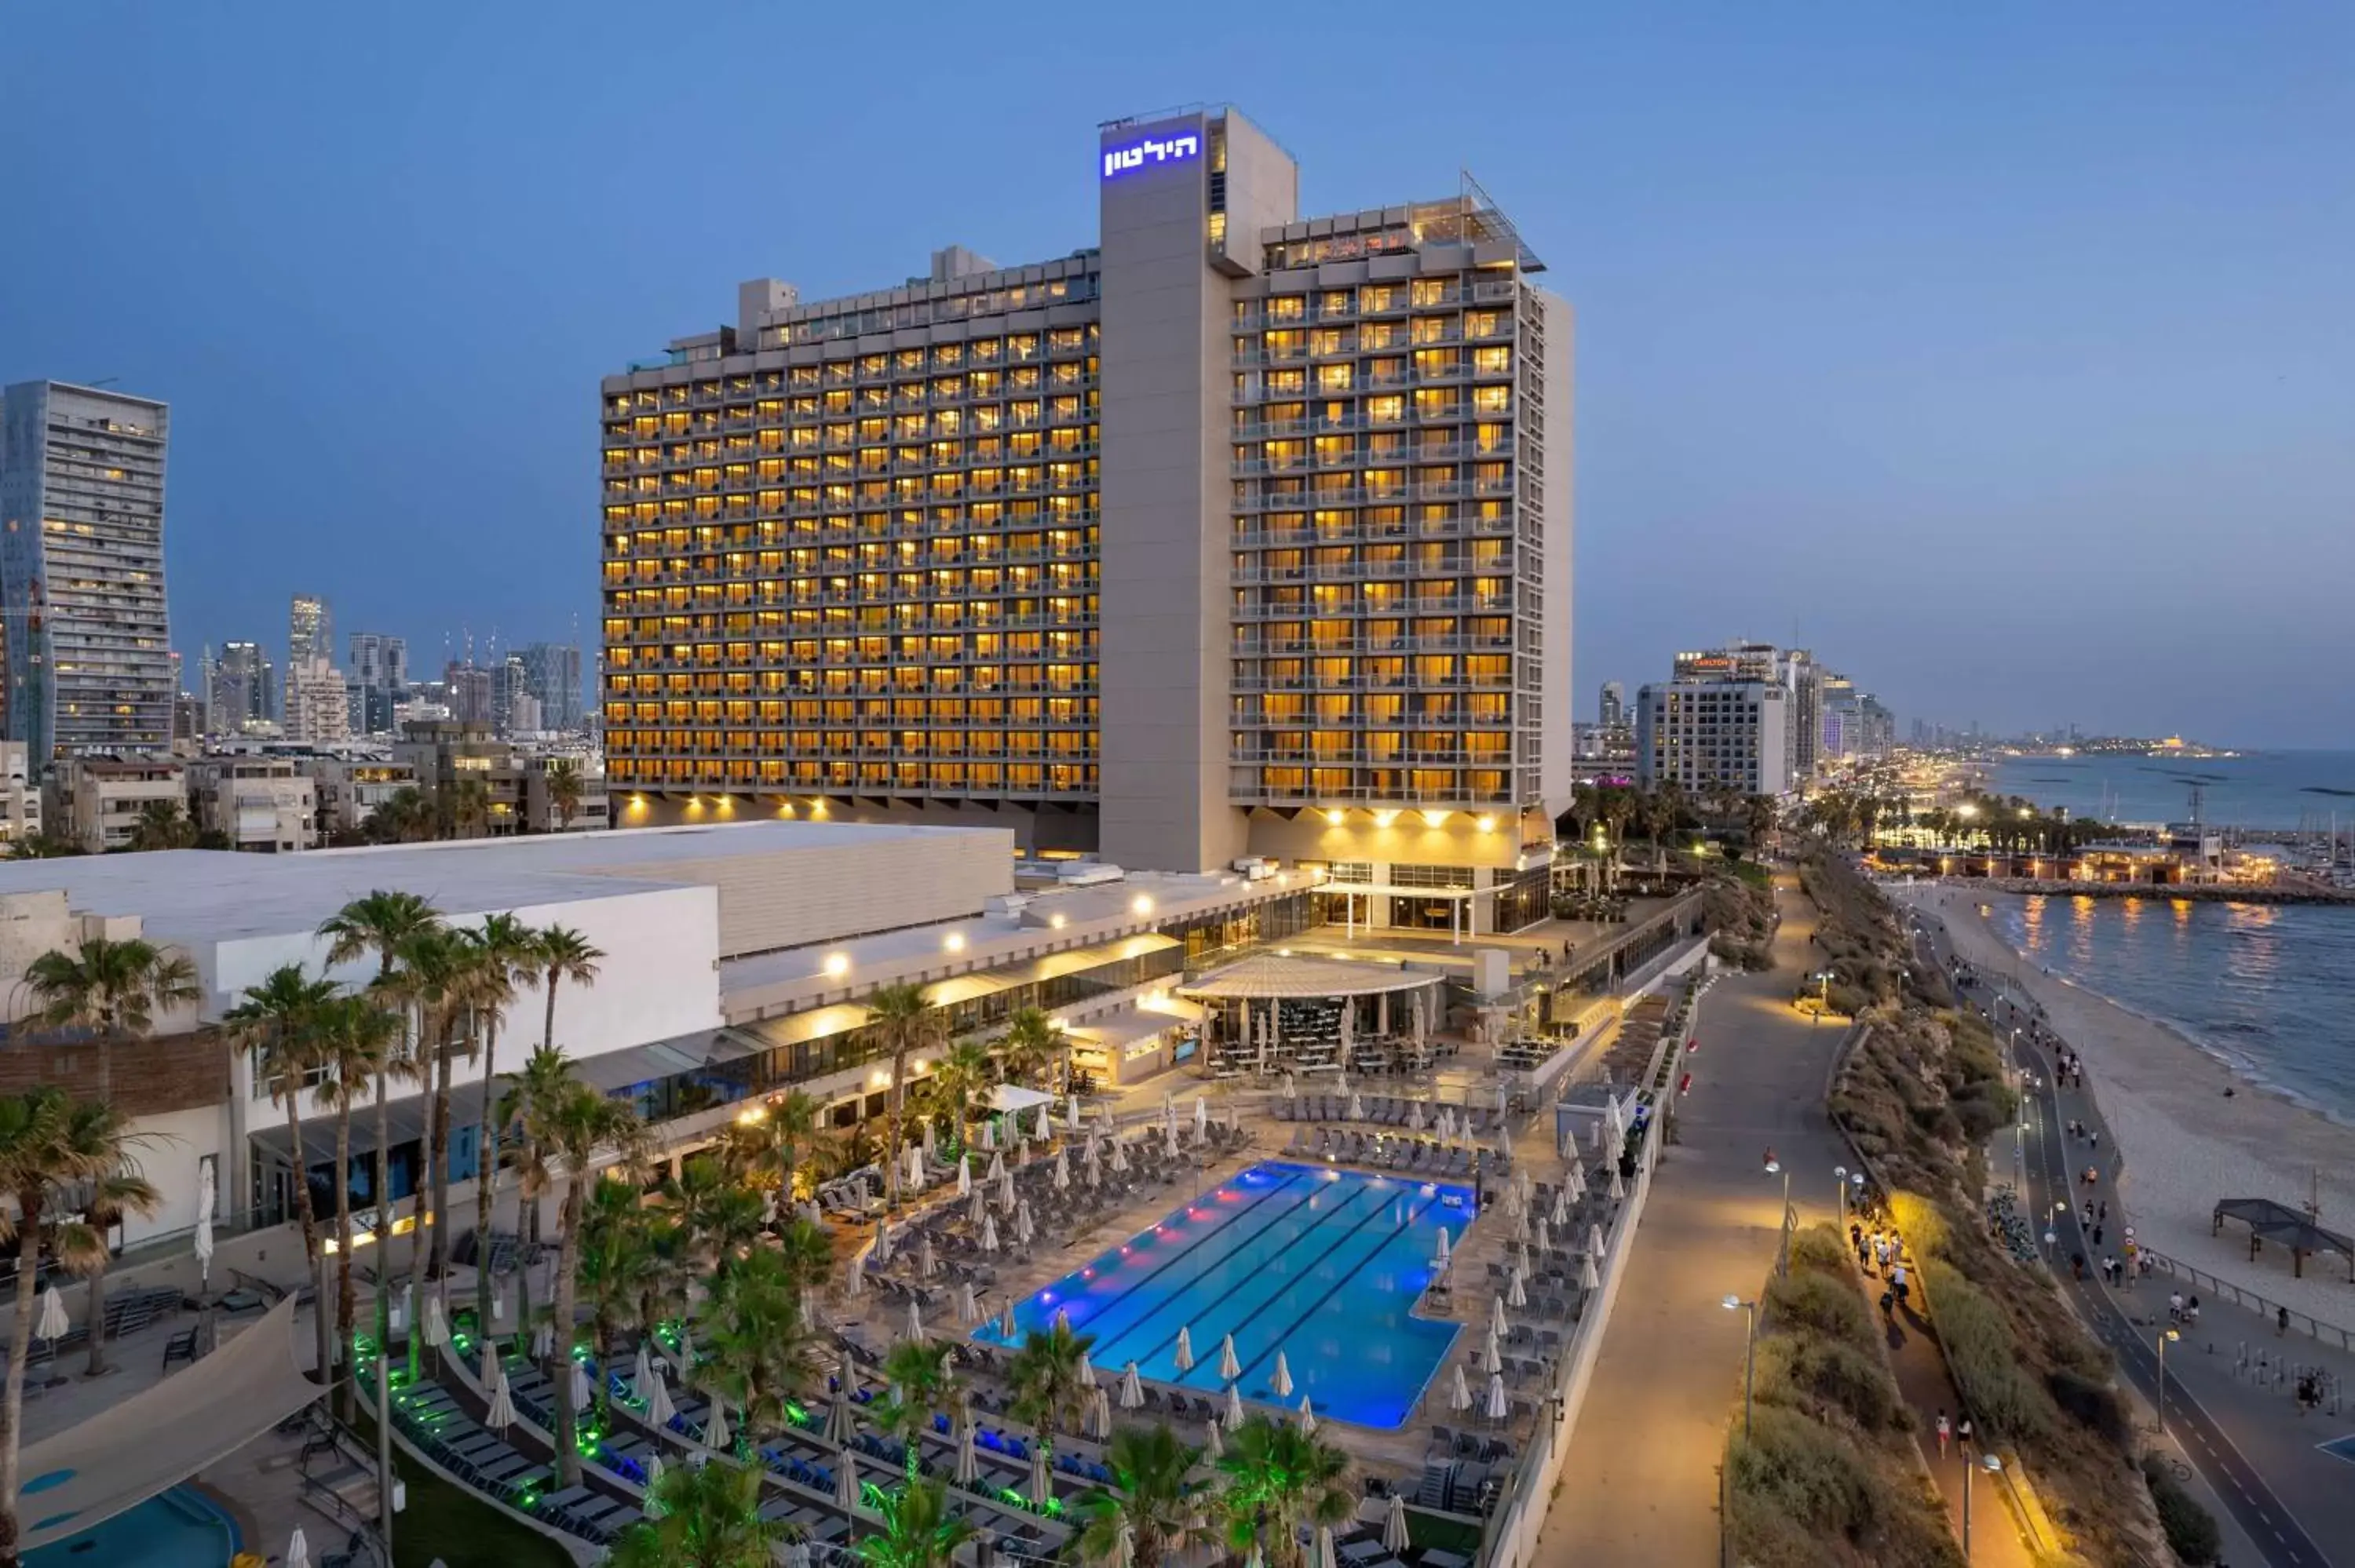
(2174, 1307)
(2110, 1269)
(1888, 1303)
(2144, 1262)
(1945, 1432)
(1963, 1438)
(2104, 1213)
(2076, 1265)
(1897, 1283)
(2095, 1136)
(2192, 1311)
(2281, 1321)
(2097, 1236)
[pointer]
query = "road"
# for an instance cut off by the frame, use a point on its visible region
(2257, 1455)
(1641, 1480)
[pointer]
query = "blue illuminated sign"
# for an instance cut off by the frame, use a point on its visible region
(1152, 150)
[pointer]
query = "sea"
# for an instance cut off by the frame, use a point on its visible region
(2268, 989)
(2256, 790)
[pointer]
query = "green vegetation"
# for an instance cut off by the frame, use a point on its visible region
(1825, 1474)
(1740, 911)
(445, 1521)
(2191, 1532)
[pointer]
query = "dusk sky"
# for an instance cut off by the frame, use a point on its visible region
(2003, 354)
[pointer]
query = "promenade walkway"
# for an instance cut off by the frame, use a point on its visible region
(2284, 1491)
(1640, 1486)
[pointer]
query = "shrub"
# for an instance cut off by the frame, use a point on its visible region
(1820, 1304)
(1818, 1375)
(1792, 1479)
(1821, 1248)
(2192, 1531)
(1985, 1356)
(2092, 1405)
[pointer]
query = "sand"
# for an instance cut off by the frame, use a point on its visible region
(2186, 1144)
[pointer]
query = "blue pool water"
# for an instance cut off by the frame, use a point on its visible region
(179, 1529)
(1324, 1265)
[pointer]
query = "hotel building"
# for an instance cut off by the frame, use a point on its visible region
(1236, 534)
(1708, 737)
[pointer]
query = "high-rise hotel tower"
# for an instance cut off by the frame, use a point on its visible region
(1238, 534)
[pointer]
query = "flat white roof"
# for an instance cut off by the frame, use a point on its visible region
(216, 895)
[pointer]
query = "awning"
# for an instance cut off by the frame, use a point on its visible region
(965, 988)
(662, 1059)
(801, 1028)
(1015, 1097)
(1270, 975)
(124, 1454)
(1054, 966)
(1132, 1024)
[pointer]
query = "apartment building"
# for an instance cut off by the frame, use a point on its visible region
(98, 802)
(264, 805)
(348, 789)
(20, 796)
(1238, 533)
(550, 806)
(89, 659)
(318, 709)
(469, 773)
(1714, 737)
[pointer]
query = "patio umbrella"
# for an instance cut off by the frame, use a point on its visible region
(1102, 1401)
(1230, 1366)
(1544, 1235)
(1091, 1170)
(1517, 1293)
(1594, 1241)
(1618, 1189)
(1283, 1377)
(1256, 1560)
(205, 1223)
(1040, 1127)
(1573, 1183)
(653, 1486)
(1119, 1156)
(996, 1167)
(298, 1551)
(1521, 1260)
(1356, 1108)
(1201, 1117)
(1414, 1115)
(1021, 1143)
(53, 1324)
(1440, 1257)
(1170, 1143)
(660, 1408)
(1062, 1170)
(1105, 1120)
(400, 1305)
(1006, 1321)
(1445, 1125)
(1087, 1368)
(714, 1426)
(1561, 1205)
(925, 1262)
(964, 1175)
(989, 1135)
(1063, 1317)
(1132, 1389)
(1497, 1407)
(1419, 1021)
(1492, 1355)
(883, 1249)
(969, 1309)
(1528, 1188)
(1521, 1227)
(1022, 1228)
(1394, 1535)
(915, 1168)
(579, 1375)
(1185, 1349)
(846, 1482)
(1072, 1113)
(841, 1421)
(1041, 1488)
(857, 1284)
(641, 1368)
(1214, 1447)
(1089, 1426)
(1504, 1100)
(990, 1233)
(1342, 1079)
(968, 1463)
(1496, 1324)
(1589, 1277)
(1234, 1407)
(930, 1147)
(1006, 1191)
(1307, 1417)
(1324, 1555)
(1511, 1203)
(915, 1322)
(1459, 1393)
(501, 1415)
(974, 1209)
(1505, 1146)
(1348, 1028)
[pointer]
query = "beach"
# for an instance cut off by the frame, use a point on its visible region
(2186, 1142)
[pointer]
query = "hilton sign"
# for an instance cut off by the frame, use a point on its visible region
(1152, 150)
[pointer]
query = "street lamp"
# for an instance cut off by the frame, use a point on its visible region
(1823, 979)
(1783, 1253)
(1993, 1465)
(1839, 1180)
(1749, 1351)
(2166, 1337)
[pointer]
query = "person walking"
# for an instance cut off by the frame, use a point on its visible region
(1897, 1283)
(1945, 1433)
(1963, 1438)
(2281, 1321)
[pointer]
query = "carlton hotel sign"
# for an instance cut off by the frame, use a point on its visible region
(1151, 150)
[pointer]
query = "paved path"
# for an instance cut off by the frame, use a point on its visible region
(2283, 1490)
(1641, 1480)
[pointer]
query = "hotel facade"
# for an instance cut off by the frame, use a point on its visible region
(1236, 535)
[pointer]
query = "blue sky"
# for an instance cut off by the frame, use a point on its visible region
(2005, 354)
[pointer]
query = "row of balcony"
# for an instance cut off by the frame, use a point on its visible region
(1247, 352)
(877, 525)
(1367, 531)
(645, 569)
(1247, 646)
(1315, 309)
(1373, 381)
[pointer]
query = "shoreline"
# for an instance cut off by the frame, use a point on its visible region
(2184, 1142)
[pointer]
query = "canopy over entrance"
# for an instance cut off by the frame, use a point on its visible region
(121, 1456)
(2271, 1222)
(1281, 976)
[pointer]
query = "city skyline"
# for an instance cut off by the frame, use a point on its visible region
(1915, 289)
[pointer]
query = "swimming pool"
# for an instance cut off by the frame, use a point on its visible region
(1324, 1265)
(178, 1529)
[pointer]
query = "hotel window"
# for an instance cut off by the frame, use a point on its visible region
(1334, 378)
(1288, 308)
(1385, 410)
(1496, 360)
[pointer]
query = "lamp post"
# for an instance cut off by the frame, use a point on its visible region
(2165, 1337)
(1823, 979)
(1993, 1465)
(1839, 1180)
(1749, 1351)
(1783, 1251)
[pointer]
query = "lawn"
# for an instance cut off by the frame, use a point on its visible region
(448, 1521)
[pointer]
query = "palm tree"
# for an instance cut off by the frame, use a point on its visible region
(965, 1072)
(617, 1262)
(806, 1249)
(355, 1037)
(57, 1153)
(918, 1376)
(721, 1214)
(767, 1149)
(507, 953)
(564, 792)
(1280, 1479)
(574, 1125)
(901, 1017)
(918, 1531)
(463, 806)
(406, 817)
(113, 989)
(760, 1350)
(564, 954)
(432, 974)
(1153, 1498)
(277, 1024)
(544, 1073)
(709, 1517)
(1034, 1048)
(1758, 816)
(1045, 1380)
(43, 846)
(163, 825)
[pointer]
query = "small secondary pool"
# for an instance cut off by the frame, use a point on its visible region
(178, 1529)
(1324, 1265)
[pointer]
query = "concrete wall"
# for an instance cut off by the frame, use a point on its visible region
(1560, 525)
(1409, 840)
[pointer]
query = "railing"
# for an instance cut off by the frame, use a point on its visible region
(2210, 1283)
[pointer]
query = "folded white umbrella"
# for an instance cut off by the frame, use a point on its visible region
(968, 1463)
(298, 1549)
(1497, 1407)
(1170, 1143)
(580, 1386)
(1023, 1230)
(996, 1167)
(976, 1206)
(1102, 1401)
(1517, 1290)
(1062, 1170)
(53, 1324)
(1201, 1117)
(1440, 1257)
(1496, 1324)
(1040, 1127)
(841, 1421)
(989, 1136)
(1325, 1553)
(715, 1425)
(846, 1482)
(1006, 1325)
(883, 1239)
(1005, 1196)
(1282, 1383)
(1492, 1354)
(915, 1168)
(1544, 1234)
(1414, 1117)
(660, 1408)
(641, 1369)
(1356, 1108)
(1459, 1393)
(990, 1233)
(1185, 1349)
(1132, 1389)
(1521, 1225)
(915, 1322)
(856, 1285)
(964, 1175)
(1573, 1181)
(1511, 1203)
(1041, 1486)
(1594, 1241)
(930, 1144)
(1230, 1366)
(925, 1262)
(1589, 1276)
(1394, 1535)
(1072, 1113)
(1087, 1368)
(501, 1415)
(1119, 1156)
(1234, 1407)
(653, 1486)
(969, 1309)
(1214, 1447)
(1562, 1206)
(1618, 1189)
(437, 1323)
(1089, 1426)
(1307, 1417)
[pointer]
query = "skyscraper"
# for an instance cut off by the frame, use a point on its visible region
(379, 678)
(1238, 533)
(316, 708)
(1614, 714)
(242, 687)
(311, 631)
(81, 569)
(473, 693)
(552, 674)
